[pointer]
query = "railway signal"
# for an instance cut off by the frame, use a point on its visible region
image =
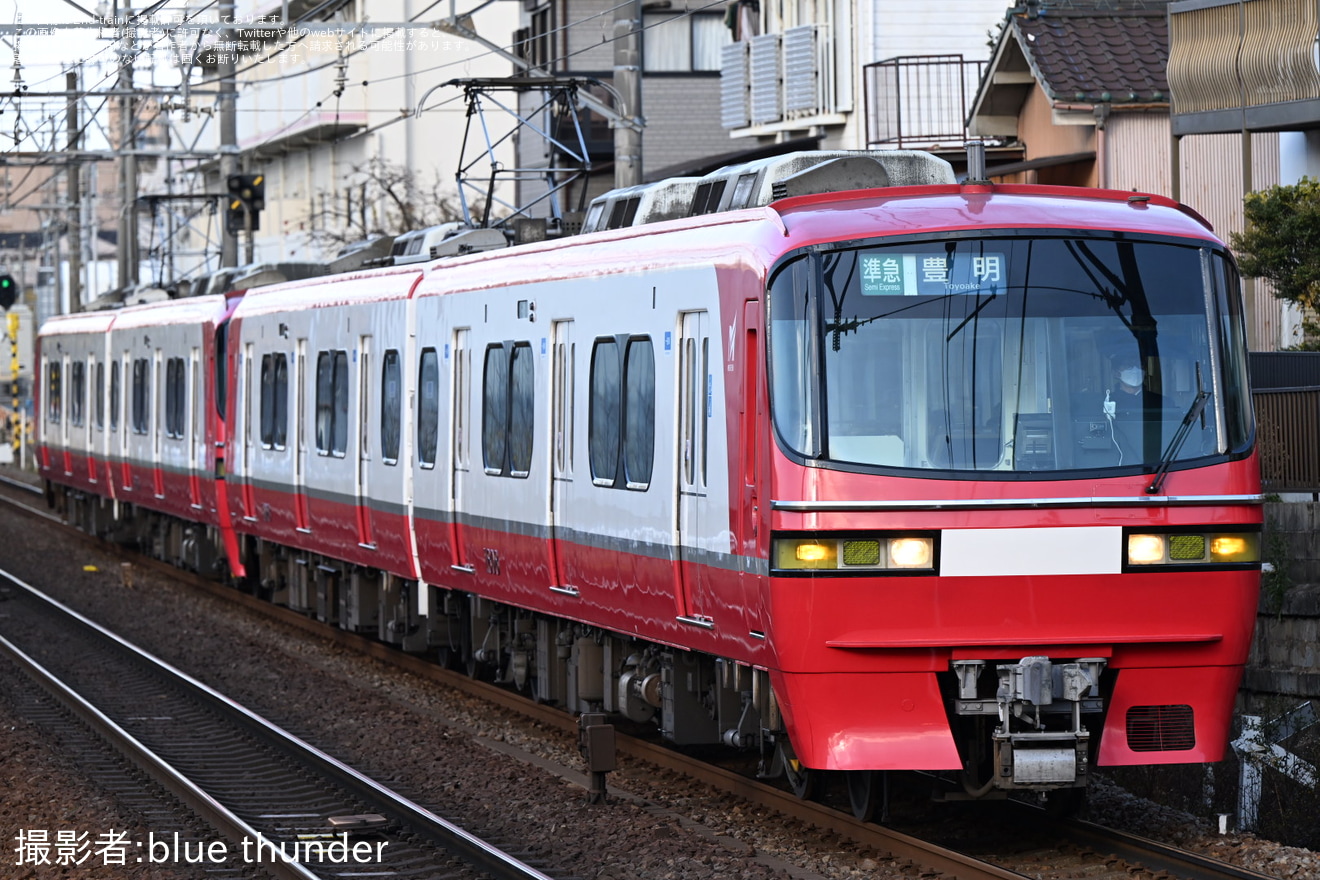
(247, 197)
(8, 291)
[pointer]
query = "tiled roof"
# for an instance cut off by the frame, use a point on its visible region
(1097, 52)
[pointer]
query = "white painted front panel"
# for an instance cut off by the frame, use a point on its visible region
(1048, 551)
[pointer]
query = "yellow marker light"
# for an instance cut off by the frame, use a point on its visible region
(811, 552)
(911, 552)
(1145, 549)
(805, 554)
(1235, 548)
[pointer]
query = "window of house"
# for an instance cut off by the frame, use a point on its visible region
(682, 43)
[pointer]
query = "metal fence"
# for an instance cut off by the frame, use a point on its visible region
(1288, 436)
(919, 99)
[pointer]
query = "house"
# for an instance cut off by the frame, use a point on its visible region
(1079, 88)
(877, 75)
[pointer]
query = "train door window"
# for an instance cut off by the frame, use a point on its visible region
(494, 409)
(114, 395)
(280, 408)
(54, 391)
(141, 390)
(621, 416)
(428, 408)
(77, 392)
(267, 401)
(340, 445)
(171, 379)
(99, 391)
(703, 409)
(522, 410)
(391, 406)
(603, 418)
(462, 397)
(563, 413)
(639, 413)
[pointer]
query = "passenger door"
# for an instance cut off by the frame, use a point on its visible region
(300, 518)
(460, 455)
(563, 359)
(694, 516)
(364, 421)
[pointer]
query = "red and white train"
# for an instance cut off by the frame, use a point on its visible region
(847, 461)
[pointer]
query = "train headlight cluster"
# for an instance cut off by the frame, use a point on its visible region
(861, 553)
(1192, 548)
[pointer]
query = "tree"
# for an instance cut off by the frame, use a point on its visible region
(381, 198)
(1282, 245)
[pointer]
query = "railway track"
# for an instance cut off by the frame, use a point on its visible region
(1056, 851)
(273, 801)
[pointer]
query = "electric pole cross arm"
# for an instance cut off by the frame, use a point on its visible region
(461, 26)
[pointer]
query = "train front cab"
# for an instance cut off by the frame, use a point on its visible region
(984, 561)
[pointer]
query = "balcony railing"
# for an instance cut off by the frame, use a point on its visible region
(919, 100)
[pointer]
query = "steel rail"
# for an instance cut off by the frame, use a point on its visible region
(1158, 856)
(192, 796)
(448, 836)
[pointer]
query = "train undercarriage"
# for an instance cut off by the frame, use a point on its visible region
(1019, 726)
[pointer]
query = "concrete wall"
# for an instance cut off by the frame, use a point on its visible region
(1285, 657)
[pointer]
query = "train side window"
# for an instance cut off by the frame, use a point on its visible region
(99, 390)
(176, 397)
(428, 408)
(495, 409)
(522, 410)
(114, 395)
(267, 401)
(54, 389)
(603, 417)
(391, 406)
(280, 428)
(324, 401)
(77, 392)
(621, 416)
(140, 394)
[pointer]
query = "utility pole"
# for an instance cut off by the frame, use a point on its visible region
(228, 112)
(628, 83)
(128, 182)
(74, 222)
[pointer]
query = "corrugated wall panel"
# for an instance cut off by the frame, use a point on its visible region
(1137, 155)
(733, 85)
(1288, 434)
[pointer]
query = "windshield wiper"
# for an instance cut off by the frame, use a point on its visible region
(1179, 437)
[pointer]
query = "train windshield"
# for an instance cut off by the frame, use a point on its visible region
(1015, 354)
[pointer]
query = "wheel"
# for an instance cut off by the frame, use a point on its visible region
(866, 791)
(804, 781)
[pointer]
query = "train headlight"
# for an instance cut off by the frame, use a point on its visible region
(1192, 548)
(911, 552)
(1145, 549)
(853, 553)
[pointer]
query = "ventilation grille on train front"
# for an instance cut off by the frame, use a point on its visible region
(1160, 729)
